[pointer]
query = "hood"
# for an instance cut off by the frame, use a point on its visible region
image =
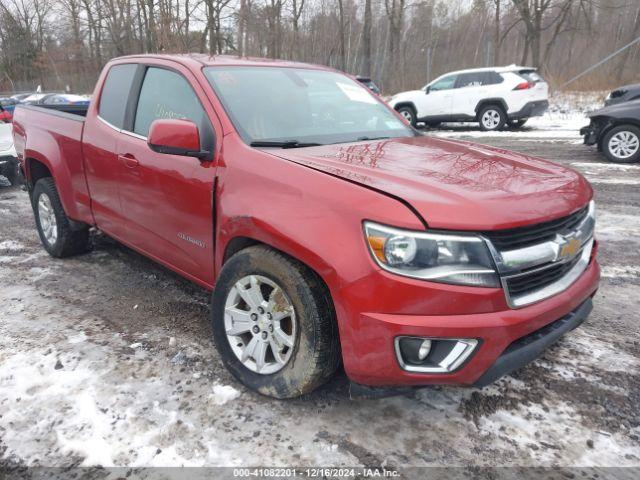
(453, 184)
(410, 96)
(629, 109)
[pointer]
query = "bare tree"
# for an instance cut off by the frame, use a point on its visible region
(366, 39)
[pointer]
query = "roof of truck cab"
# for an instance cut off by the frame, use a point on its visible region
(197, 60)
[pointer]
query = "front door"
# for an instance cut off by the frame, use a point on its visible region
(437, 99)
(167, 200)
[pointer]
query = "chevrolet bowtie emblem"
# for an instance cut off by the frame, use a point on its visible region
(570, 248)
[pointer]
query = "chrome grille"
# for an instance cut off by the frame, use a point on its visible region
(531, 281)
(531, 235)
(542, 260)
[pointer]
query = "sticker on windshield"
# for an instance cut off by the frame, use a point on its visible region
(356, 93)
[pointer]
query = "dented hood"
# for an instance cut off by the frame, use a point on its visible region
(454, 184)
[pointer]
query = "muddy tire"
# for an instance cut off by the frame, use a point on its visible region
(622, 144)
(60, 236)
(257, 286)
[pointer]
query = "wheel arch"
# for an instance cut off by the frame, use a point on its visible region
(263, 235)
(491, 101)
(35, 169)
(411, 105)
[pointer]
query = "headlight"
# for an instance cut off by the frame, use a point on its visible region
(437, 257)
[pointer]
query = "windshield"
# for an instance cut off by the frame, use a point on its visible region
(299, 107)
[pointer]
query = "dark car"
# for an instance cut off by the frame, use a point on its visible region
(623, 94)
(616, 131)
(367, 82)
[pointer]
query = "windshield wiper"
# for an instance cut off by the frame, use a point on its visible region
(283, 144)
(362, 139)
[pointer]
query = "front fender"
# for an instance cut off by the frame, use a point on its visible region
(311, 216)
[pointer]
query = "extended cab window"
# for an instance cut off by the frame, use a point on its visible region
(445, 83)
(166, 94)
(115, 93)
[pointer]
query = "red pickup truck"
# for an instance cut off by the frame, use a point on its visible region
(328, 229)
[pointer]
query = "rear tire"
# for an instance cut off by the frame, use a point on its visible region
(621, 144)
(491, 118)
(409, 114)
(57, 234)
(248, 327)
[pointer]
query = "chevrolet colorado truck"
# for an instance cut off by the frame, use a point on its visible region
(329, 231)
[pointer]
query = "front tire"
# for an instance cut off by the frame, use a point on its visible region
(57, 234)
(622, 144)
(274, 323)
(409, 114)
(492, 118)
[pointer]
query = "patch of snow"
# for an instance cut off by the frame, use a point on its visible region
(617, 226)
(79, 338)
(223, 394)
(610, 271)
(11, 245)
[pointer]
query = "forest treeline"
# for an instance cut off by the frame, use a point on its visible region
(401, 44)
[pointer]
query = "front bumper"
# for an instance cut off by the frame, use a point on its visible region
(505, 340)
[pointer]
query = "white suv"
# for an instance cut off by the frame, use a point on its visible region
(491, 96)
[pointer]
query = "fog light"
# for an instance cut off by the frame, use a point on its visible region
(433, 355)
(425, 348)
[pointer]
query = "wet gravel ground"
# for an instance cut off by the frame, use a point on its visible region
(106, 359)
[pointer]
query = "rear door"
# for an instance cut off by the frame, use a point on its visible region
(100, 139)
(472, 88)
(167, 199)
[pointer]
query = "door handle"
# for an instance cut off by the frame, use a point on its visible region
(129, 160)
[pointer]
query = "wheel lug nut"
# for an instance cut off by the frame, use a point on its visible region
(260, 310)
(271, 328)
(269, 316)
(255, 329)
(264, 335)
(254, 317)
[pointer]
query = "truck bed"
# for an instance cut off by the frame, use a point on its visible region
(53, 137)
(73, 110)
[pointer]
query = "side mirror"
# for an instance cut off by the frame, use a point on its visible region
(176, 137)
(427, 90)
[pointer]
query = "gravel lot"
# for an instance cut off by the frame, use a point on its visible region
(106, 359)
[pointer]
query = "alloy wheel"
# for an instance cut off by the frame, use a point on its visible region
(260, 323)
(624, 144)
(407, 115)
(48, 221)
(491, 119)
